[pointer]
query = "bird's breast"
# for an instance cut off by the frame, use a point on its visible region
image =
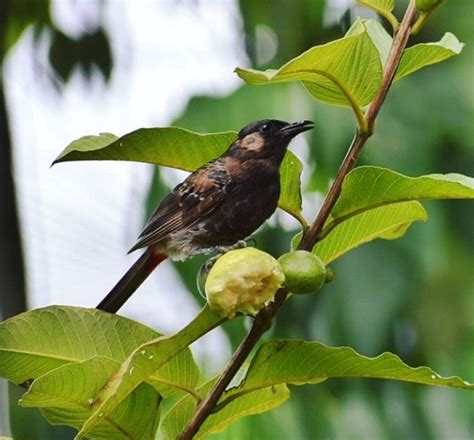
(249, 201)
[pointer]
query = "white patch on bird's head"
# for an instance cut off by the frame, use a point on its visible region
(252, 142)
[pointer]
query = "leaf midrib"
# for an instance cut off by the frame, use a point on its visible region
(338, 220)
(43, 355)
(85, 406)
(320, 379)
(153, 377)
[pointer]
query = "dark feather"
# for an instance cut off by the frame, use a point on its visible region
(198, 195)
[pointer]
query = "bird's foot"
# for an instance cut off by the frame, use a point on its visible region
(238, 245)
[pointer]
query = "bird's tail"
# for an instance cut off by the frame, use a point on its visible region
(131, 281)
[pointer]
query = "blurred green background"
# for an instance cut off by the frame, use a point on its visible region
(413, 296)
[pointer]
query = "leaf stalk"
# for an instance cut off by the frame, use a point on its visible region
(384, 13)
(359, 115)
(423, 18)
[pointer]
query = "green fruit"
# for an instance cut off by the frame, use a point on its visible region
(304, 271)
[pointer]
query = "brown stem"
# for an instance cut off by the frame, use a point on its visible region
(310, 237)
(395, 55)
(264, 318)
(311, 234)
(260, 325)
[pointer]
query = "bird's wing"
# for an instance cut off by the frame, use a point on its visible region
(198, 195)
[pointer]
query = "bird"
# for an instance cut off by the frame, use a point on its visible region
(216, 208)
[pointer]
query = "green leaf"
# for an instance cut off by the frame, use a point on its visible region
(344, 72)
(379, 36)
(169, 146)
(380, 203)
(178, 148)
(383, 7)
(20, 16)
(143, 362)
(180, 373)
(176, 418)
(388, 222)
(257, 402)
(300, 362)
(36, 342)
(369, 187)
(66, 393)
(425, 54)
(252, 403)
(426, 5)
(290, 183)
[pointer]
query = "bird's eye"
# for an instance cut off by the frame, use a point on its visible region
(265, 128)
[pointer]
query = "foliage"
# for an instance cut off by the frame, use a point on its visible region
(108, 376)
(178, 148)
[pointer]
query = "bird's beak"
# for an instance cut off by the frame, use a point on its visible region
(291, 130)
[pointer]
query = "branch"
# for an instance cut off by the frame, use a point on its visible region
(265, 317)
(310, 237)
(260, 325)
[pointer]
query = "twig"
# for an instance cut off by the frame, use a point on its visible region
(424, 16)
(398, 46)
(260, 325)
(264, 318)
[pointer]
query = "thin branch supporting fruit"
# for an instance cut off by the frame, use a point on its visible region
(265, 317)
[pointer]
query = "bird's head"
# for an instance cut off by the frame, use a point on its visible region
(268, 138)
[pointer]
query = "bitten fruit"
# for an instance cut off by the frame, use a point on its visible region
(243, 281)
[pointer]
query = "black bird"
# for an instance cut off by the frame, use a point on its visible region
(218, 205)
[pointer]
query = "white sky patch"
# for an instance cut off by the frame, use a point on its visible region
(79, 219)
(337, 8)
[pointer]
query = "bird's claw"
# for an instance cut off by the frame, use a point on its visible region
(238, 245)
